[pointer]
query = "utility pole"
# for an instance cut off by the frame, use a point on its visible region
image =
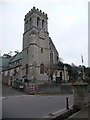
(83, 72)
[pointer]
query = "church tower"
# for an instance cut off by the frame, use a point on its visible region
(35, 54)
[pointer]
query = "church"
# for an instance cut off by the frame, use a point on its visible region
(38, 62)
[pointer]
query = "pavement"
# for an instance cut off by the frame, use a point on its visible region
(84, 113)
(9, 91)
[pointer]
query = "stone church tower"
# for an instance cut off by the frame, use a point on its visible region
(38, 62)
(36, 52)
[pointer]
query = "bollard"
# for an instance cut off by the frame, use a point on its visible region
(67, 105)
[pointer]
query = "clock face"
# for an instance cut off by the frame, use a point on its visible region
(42, 34)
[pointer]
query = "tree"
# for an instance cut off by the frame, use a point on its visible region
(87, 75)
(72, 71)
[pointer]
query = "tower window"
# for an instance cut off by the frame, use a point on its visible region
(41, 50)
(27, 50)
(26, 24)
(42, 68)
(30, 22)
(38, 21)
(43, 23)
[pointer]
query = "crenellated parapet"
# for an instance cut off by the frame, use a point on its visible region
(37, 11)
(35, 18)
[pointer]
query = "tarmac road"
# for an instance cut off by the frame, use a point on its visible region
(9, 91)
(21, 105)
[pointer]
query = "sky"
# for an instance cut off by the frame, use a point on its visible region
(67, 26)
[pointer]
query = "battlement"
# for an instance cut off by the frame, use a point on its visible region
(34, 10)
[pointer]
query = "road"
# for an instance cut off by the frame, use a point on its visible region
(21, 105)
(9, 91)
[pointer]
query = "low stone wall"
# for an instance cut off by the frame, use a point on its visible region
(81, 94)
(55, 89)
(50, 89)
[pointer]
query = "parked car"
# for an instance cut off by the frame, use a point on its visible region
(19, 84)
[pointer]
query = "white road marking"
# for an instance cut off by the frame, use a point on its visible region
(16, 96)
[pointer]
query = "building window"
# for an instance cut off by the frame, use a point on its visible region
(27, 50)
(41, 50)
(26, 68)
(38, 21)
(43, 23)
(42, 68)
(51, 57)
(26, 26)
(18, 61)
(57, 58)
(30, 22)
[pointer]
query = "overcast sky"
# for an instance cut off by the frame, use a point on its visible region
(67, 26)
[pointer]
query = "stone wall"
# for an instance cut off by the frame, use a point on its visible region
(80, 92)
(51, 89)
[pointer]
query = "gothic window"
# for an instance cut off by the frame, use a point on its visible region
(41, 50)
(57, 58)
(51, 57)
(27, 50)
(43, 23)
(26, 68)
(42, 68)
(38, 21)
(30, 22)
(26, 24)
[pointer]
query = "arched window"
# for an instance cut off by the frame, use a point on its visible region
(26, 68)
(26, 25)
(43, 23)
(41, 50)
(42, 68)
(57, 58)
(38, 21)
(51, 57)
(27, 50)
(30, 22)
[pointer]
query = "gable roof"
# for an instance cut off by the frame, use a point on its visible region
(18, 56)
(52, 44)
(56, 66)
